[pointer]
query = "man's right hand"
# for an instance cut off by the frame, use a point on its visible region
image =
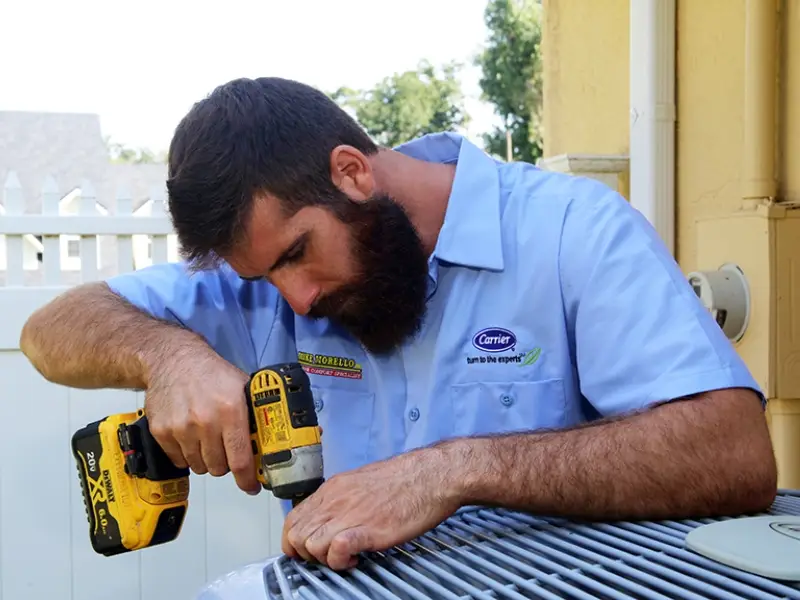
(91, 338)
(196, 408)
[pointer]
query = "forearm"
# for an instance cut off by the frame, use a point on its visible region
(91, 338)
(687, 458)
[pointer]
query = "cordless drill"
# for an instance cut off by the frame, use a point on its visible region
(135, 497)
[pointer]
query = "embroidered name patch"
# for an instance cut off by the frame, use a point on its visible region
(330, 366)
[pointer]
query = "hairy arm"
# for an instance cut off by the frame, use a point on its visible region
(89, 337)
(702, 456)
(708, 455)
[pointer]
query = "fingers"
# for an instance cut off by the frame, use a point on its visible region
(205, 429)
(318, 542)
(314, 535)
(295, 539)
(194, 455)
(294, 545)
(195, 442)
(198, 436)
(238, 450)
(297, 526)
(327, 543)
(163, 435)
(212, 451)
(345, 546)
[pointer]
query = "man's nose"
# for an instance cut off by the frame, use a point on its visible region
(300, 295)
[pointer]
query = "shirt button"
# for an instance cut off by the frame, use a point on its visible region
(413, 414)
(318, 404)
(506, 400)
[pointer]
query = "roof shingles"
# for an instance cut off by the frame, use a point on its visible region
(69, 147)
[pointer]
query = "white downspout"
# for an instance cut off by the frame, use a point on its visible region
(652, 106)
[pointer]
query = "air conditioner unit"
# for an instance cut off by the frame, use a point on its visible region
(491, 554)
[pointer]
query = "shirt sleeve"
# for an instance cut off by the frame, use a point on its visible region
(234, 316)
(639, 334)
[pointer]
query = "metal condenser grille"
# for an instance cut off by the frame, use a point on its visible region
(493, 554)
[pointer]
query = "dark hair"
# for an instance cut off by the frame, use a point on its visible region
(249, 136)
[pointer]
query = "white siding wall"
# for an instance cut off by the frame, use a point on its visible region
(45, 552)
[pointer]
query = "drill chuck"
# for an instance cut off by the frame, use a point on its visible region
(294, 474)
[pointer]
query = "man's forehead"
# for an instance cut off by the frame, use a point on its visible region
(267, 233)
(267, 213)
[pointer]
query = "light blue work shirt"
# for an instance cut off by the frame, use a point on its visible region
(552, 301)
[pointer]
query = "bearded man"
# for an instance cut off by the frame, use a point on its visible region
(476, 332)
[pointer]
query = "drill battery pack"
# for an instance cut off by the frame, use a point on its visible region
(135, 497)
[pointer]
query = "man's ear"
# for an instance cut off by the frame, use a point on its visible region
(351, 172)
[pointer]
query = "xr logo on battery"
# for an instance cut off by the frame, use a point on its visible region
(96, 491)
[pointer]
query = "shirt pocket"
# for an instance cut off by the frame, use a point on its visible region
(346, 420)
(481, 408)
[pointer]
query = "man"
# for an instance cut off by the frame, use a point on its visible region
(475, 332)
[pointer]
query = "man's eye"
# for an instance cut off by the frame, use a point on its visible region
(296, 253)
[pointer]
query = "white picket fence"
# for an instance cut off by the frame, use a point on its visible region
(44, 545)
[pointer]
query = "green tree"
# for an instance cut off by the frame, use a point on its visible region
(407, 105)
(512, 76)
(120, 153)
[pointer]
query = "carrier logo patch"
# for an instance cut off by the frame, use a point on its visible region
(494, 339)
(330, 366)
(499, 345)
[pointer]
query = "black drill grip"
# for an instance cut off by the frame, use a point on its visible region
(144, 457)
(299, 399)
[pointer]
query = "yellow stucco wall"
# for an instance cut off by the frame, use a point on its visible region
(708, 138)
(586, 78)
(586, 107)
(586, 83)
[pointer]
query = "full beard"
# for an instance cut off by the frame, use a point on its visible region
(385, 303)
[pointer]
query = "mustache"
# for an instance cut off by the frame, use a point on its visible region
(337, 304)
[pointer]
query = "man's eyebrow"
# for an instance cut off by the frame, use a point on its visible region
(286, 254)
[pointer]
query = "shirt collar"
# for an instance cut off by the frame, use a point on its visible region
(471, 234)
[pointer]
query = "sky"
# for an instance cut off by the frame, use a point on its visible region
(141, 65)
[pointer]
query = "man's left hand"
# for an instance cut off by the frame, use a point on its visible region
(373, 508)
